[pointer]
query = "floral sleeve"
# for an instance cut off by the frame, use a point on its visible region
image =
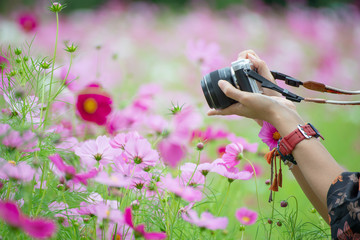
(343, 200)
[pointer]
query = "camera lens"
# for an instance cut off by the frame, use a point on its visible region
(213, 94)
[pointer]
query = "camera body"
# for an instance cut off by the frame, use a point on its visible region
(236, 75)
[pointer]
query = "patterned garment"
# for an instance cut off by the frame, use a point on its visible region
(343, 200)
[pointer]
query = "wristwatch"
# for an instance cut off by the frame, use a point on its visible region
(287, 144)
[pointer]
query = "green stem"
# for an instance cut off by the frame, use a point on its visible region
(52, 70)
(223, 203)
(198, 162)
(44, 190)
(256, 189)
(8, 190)
(297, 210)
(64, 81)
(42, 97)
(272, 214)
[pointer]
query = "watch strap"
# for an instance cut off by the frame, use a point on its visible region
(287, 144)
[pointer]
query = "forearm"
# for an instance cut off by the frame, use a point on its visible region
(310, 194)
(317, 168)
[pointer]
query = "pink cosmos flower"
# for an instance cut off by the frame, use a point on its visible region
(20, 172)
(191, 177)
(23, 142)
(94, 104)
(187, 193)
(157, 123)
(140, 229)
(205, 168)
(257, 167)
(172, 151)
(28, 22)
(4, 128)
(70, 172)
(36, 228)
(114, 180)
(250, 147)
(209, 134)
(246, 216)
(139, 151)
(99, 150)
(230, 173)
(269, 135)
(207, 55)
(207, 220)
(120, 140)
(233, 154)
(106, 211)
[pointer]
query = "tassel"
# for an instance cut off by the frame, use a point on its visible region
(270, 156)
(275, 184)
(280, 174)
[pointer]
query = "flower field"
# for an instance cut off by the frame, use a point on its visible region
(103, 125)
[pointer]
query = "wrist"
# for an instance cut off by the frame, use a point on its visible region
(285, 120)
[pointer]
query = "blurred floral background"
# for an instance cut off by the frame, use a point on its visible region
(150, 56)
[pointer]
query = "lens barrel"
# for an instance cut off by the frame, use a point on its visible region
(213, 94)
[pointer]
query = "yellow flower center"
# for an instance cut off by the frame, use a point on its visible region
(12, 162)
(276, 135)
(245, 219)
(90, 105)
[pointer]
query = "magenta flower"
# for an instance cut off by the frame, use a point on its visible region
(269, 135)
(70, 172)
(187, 193)
(246, 216)
(139, 151)
(233, 154)
(37, 228)
(28, 22)
(172, 152)
(3, 63)
(140, 229)
(207, 220)
(94, 104)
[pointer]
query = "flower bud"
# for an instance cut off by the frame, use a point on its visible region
(270, 221)
(279, 223)
(284, 203)
(135, 205)
(56, 7)
(17, 51)
(45, 65)
(200, 146)
(267, 182)
(70, 48)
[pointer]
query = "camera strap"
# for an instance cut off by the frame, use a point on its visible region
(311, 85)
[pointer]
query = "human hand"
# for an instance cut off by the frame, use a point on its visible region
(254, 105)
